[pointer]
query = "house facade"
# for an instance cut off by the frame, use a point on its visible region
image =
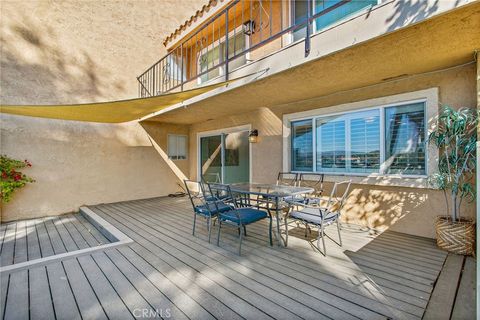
(345, 88)
(349, 89)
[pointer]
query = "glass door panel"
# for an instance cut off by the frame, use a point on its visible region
(236, 157)
(211, 158)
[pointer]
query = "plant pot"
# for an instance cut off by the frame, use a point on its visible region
(455, 236)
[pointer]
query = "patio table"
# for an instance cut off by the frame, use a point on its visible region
(271, 191)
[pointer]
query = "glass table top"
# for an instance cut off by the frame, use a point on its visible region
(269, 190)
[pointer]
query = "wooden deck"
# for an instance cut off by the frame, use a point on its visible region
(28, 240)
(168, 273)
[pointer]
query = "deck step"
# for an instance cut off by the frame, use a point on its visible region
(443, 296)
(464, 307)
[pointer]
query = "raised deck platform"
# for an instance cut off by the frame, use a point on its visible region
(167, 272)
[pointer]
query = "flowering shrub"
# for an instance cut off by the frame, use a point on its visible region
(10, 178)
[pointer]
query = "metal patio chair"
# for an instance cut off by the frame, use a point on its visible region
(204, 205)
(287, 179)
(312, 180)
(321, 216)
(241, 216)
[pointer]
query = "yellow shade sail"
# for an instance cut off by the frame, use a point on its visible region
(107, 112)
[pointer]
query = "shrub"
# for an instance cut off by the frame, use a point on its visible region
(10, 178)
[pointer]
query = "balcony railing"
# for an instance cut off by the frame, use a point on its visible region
(231, 38)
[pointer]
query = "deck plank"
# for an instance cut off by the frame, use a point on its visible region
(17, 304)
(155, 297)
(62, 296)
(464, 307)
(41, 306)
(33, 244)
(46, 247)
(113, 306)
(8, 248)
(54, 237)
(87, 302)
(443, 296)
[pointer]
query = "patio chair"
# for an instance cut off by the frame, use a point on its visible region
(312, 180)
(240, 216)
(287, 179)
(211, 177)
(205, 206)
(318, 215)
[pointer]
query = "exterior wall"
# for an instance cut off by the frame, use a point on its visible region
(76, 51)
(404, 209)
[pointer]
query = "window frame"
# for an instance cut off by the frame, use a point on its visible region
(176, 140)
(381, 108)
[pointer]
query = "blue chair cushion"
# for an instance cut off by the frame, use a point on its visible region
(313, 216)
(210, 208)
(246, 215)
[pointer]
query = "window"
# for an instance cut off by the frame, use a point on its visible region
(177, 147)
(302, 155)
(300, 7)
(359, 143)
(405, 139)
(211, 57)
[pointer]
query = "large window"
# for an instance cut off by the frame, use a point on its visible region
(360, 143)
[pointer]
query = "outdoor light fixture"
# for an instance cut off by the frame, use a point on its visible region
(249, 27)
(253, 136)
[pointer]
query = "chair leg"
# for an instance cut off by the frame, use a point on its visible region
(270, 231)
(218, 234)
(245, 230)
(286, 231)
(209, 222)
(322, 234)
(241, 238)
(194, 222)
(339, 236)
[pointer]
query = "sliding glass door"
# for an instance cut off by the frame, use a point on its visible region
(225, 158)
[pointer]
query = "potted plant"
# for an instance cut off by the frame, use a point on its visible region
(455, 135)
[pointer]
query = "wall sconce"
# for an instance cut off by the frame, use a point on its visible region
(253, 136)
(249, 27)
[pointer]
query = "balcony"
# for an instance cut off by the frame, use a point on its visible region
(243, 32)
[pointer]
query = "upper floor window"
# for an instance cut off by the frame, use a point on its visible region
(177, 147)
(386, 140)
(210, 59)
(299, 13)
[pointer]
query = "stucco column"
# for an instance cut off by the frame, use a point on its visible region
(478, 178)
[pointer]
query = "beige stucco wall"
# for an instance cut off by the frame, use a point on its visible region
(409, 210)
(61, 52)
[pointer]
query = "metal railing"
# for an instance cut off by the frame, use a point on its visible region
(225, 42)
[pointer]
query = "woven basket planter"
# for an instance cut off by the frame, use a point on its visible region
(456, 237)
